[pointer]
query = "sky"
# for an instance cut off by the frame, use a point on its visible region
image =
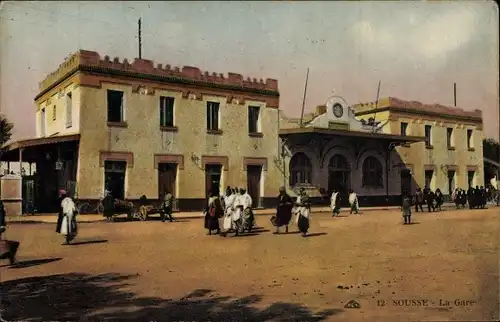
(416, 49)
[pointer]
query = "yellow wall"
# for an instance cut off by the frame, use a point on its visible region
(418, 156)
(144, 138)
(57, 98)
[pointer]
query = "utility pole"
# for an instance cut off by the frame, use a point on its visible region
(140, 39)
(455, 94)
(304, 100)
(376, 106)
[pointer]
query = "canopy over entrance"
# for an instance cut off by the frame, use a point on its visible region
(31, 150)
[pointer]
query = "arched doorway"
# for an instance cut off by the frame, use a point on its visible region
(300, 169)
(339, 175)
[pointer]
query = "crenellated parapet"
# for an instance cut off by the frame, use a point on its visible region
(396, 103)
(85, 59)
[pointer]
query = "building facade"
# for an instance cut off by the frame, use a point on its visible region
(451, 155)
(138, 129)
(333, 150)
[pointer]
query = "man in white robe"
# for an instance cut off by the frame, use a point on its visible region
(228, 211)
(353, 201)
(68, 226)
(303, 212)
(237, 214)
(335, 203)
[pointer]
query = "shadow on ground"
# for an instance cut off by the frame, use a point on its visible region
(33, 262)
(80, 297)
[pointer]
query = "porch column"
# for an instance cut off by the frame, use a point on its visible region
(20, 161)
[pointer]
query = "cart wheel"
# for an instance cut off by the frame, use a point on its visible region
(100, 208)
(84, 208)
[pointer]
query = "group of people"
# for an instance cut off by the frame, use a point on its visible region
(235, 210)
(235, 207)
(336, 198)
(477, 197)
(433, 200)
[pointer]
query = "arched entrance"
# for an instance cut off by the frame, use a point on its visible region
(339, 174)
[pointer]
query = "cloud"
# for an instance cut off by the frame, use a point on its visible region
(423, 37)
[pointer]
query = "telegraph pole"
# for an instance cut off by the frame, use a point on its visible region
(140, 39)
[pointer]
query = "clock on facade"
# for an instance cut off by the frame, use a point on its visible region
(338, 110)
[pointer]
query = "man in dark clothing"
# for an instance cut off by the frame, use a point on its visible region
(166, 210)
(108, 204)
(430, 201)
(419, 200)
(283, 210)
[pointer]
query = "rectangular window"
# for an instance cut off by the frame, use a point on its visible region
(428, 178)
(470, 178)
(428, 135)
(404, 128)
(115, 106)
(167, 111)
(469, 139)
(42, 122)
(54, 113)
(213, 116)
(253, 119)
(69, 110)
(449, 137)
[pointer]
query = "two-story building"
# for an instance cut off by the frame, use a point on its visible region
(451, 155)
(139, 129)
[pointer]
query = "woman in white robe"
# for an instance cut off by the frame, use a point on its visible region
(353, 201)
(227, 224)
(335, 203)
(68, 226)
(303, 212)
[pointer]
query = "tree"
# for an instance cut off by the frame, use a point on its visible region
(5, 130)
(491, 149)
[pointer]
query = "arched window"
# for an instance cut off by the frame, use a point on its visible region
(338, 163)
(300, 169)
(372, 172)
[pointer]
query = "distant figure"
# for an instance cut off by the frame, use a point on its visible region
(406, 209)
(335, 203)
(303, 212)
(419, 200)
(67, 227)
(283, 211)
(439, 199)
(353, 201)
(166, 210)
(108, 204)
(213, 212)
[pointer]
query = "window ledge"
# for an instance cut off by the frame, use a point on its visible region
(69, 125)
(169, 128)
(255, 134)
(451, 148)
(471, 149)
(429, 147)
(214, 132)
(117, 124)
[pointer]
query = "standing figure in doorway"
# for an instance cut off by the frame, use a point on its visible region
(303, 212)
(283, 211)
(213, 212)
(353, 201)
(67, 227)
(335, 203)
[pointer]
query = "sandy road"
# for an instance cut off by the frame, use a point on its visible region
(172, 271)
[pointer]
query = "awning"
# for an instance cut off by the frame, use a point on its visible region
(42, 141)
(396, 139)
(492, 162)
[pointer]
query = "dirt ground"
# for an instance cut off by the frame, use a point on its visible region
(153, 271)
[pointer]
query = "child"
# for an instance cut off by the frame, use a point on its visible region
(406, 208)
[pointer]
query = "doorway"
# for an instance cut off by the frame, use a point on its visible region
(114, 174)
(212, 178)
(254, 173)
(167, 177)
(338, 177)
(405, 182)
